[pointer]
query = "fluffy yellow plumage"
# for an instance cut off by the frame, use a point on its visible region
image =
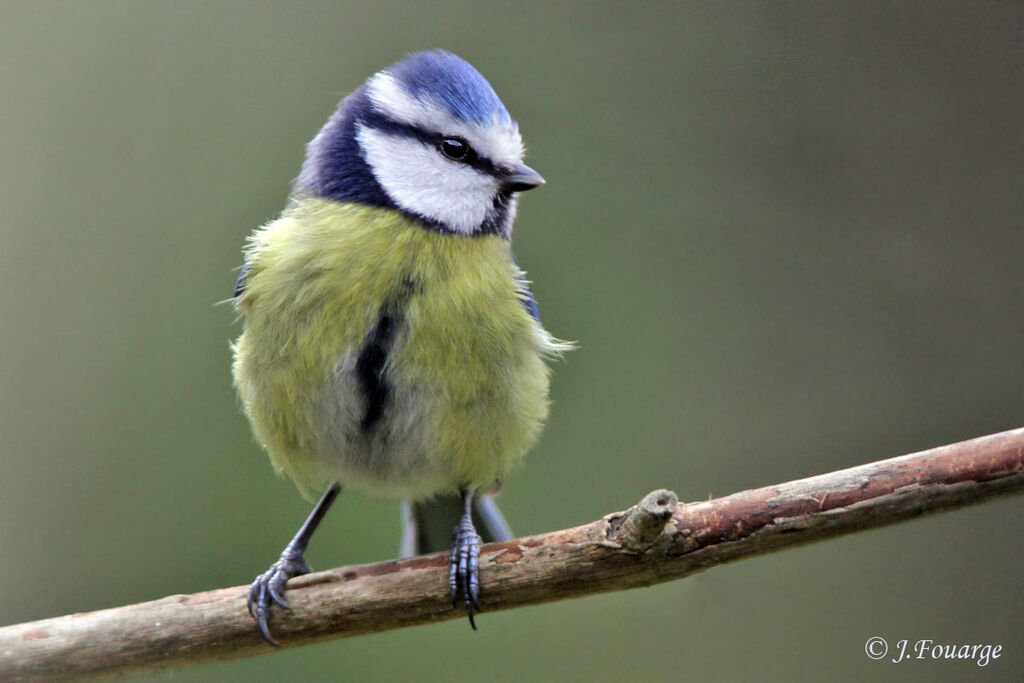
(467, 359)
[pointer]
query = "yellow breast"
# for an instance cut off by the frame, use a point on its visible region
(467, 349)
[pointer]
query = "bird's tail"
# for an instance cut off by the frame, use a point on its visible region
(427, 525)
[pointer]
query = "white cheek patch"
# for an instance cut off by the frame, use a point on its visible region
(421, 181)
(499, 141)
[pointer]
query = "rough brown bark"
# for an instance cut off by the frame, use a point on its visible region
(656, 540)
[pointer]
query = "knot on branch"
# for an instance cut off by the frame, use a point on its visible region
(639, 527)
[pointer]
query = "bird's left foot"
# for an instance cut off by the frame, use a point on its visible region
(464, 570)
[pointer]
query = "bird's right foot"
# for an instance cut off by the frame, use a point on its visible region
(269, 587)
(464, 568)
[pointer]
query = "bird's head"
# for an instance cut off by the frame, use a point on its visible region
(429, 137)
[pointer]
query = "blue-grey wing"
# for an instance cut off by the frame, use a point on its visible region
(528, 302)
(240, 282)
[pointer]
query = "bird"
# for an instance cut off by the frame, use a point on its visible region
(391, 343)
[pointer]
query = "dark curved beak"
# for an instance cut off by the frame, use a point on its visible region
(521, 179)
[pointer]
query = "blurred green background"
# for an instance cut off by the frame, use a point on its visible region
(788, 237)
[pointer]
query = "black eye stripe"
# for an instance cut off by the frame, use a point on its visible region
(378, 121)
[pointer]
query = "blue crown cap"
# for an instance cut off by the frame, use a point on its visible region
(453, 81)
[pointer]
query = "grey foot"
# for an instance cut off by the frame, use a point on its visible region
(464, 569)
(269, 588)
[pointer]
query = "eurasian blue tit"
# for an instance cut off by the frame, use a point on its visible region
(391, 343)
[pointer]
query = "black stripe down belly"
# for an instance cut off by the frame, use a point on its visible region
(370, 367)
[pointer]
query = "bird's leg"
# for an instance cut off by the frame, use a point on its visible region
(269, 586)
(464, 569)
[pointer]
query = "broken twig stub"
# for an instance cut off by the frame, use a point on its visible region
(639, 527)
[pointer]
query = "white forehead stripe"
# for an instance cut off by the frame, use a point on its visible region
(419, 180)
(497, 140)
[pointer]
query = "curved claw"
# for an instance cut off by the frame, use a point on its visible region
(265, 630)
(275, 593)
(249, 601)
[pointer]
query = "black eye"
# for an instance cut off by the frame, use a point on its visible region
(455, 149)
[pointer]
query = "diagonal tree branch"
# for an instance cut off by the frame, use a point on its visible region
(657, 540)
